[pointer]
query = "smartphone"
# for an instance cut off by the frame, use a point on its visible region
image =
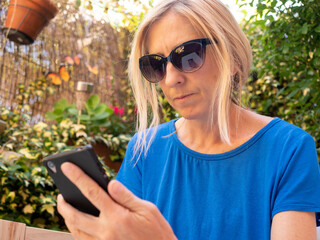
(85, 158)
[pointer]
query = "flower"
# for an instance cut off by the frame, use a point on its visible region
(118, 111)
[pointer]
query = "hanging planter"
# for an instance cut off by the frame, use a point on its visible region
(26, 19)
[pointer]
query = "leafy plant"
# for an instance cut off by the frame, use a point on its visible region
(285, 80)
(28, 194)
(62, 110)
(96, 114)
(98, 123)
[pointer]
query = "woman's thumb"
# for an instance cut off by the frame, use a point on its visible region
(123, 196)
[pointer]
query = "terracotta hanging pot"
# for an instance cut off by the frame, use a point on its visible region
(26, 19)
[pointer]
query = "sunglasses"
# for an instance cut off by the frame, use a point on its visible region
(187, 57)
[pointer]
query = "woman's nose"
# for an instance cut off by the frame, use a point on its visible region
(173, 76)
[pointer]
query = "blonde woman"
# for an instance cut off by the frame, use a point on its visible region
(220, 171)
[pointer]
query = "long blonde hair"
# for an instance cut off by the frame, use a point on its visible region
(232, 54)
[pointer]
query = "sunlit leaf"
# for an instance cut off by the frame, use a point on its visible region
(11, 196)
(49, 208)
(28, 209)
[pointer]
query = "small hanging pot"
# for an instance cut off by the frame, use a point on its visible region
(26, 19)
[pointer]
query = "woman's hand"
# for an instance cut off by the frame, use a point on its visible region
(122, 216)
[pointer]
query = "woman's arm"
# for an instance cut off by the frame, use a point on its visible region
(122, 216)
(294, 225)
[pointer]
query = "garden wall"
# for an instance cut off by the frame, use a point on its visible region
(71, 34)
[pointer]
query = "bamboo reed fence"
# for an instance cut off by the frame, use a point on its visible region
(71, 33)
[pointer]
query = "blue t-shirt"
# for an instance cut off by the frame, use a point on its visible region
(233, 195)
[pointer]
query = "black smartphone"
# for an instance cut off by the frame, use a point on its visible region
(87, 160)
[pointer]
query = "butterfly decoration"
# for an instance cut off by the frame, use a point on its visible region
(57, 78)
(69, 60)
(76, 60)
(64, 75)
(93, 69)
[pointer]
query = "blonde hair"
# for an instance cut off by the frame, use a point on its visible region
(232, 54)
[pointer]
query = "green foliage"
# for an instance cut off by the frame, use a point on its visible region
(130, 20)
(93, 117)
(285, 81)
(96, 114)
(62, 110)
(39, 140)
(27, 193)
(97, 122)
(37, 90)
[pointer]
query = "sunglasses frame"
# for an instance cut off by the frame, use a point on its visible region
(203, 41)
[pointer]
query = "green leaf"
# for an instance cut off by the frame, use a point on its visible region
(285, 49)
(100, 109)
(293, 93)
(50, 116)
(84, 117)
(58, 112)
(317, 29)
(61, 104)
(101, 116)
(93, 102)
(73, 111)
(304, 29)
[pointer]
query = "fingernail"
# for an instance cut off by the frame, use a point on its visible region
(60, 198)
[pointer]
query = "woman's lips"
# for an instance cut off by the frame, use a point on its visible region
(183, 97)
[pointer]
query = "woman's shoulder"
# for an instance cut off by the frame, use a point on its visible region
(275, 126)
(284, 128)
(286, 134)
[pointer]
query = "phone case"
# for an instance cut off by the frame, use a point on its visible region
(87, 160)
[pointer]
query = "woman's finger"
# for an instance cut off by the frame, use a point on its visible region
(76, 219)
(88, 187)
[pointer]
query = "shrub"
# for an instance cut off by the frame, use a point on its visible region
(27, 191)
(285, 81)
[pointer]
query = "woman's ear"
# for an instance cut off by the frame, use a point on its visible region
(234, 69)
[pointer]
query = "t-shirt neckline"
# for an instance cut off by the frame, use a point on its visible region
(246, 145)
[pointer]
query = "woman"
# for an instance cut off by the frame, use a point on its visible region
(220, 171)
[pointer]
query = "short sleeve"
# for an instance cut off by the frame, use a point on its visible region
(299, 182)
(130, 171)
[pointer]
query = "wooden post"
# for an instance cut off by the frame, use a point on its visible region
(12, 230)
(19, 231)
(41, 234)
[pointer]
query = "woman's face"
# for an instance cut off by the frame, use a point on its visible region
(190, 94)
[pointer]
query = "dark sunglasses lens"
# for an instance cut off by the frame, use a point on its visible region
(152, 67)
(188, 57)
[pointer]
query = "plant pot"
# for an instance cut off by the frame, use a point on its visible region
(26, 19)
(103, 151)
